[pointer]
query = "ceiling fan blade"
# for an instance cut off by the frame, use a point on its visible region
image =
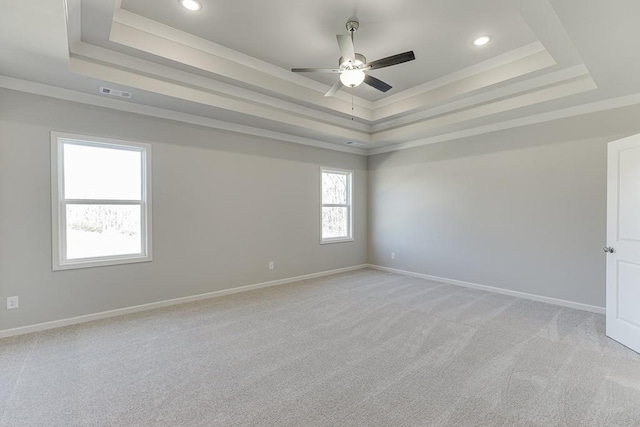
(346, 47)
(334, 89)
(392, 60)
(315, 70)
(376, 83)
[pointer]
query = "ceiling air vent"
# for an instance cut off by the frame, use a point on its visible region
(115, 92)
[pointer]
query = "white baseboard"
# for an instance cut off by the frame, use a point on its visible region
(150, 306)
(517, 294)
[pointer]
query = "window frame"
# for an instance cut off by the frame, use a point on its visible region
(59, 203)
(349, 205)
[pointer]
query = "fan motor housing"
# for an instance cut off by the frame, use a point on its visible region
(357, 63)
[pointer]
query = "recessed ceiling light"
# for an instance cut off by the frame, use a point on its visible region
(481, 41)
(193, 5)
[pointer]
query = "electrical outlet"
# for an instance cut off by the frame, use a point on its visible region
(271, 265)
(12, 302)
(393, 255)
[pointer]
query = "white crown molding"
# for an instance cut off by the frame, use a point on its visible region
(202, 90)
(464, 73)
(99, 54)
(469, 84)
(592, 107)
(96, 100)
(177, 90)
(561, 90)
(145, 110)
(107, 65)
(89, 57)
(503, 92)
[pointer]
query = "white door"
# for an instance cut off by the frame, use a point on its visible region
(623, 241)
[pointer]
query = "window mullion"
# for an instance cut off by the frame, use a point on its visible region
(335, 205)
(102, 202)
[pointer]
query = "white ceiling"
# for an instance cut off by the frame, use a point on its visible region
(227, 66)
(302, 33)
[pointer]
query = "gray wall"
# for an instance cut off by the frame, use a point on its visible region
(523, 209)
(224, 205)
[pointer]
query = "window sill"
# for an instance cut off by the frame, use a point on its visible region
(72, 265)
(338, 240)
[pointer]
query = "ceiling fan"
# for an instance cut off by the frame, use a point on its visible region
(353, 66)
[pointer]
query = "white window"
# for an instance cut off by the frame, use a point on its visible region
(101, 201)
(337, 213)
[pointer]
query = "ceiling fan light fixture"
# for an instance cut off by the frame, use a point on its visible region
(352, 65)
(352, 78)
(192, 5)
(481, 41)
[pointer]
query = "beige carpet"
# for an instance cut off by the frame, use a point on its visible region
(359, 349)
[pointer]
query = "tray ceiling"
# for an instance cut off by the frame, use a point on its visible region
(227, 66)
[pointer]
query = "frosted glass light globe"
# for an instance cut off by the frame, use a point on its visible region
(352, 78)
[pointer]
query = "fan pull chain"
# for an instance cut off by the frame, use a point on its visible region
(351, 107)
